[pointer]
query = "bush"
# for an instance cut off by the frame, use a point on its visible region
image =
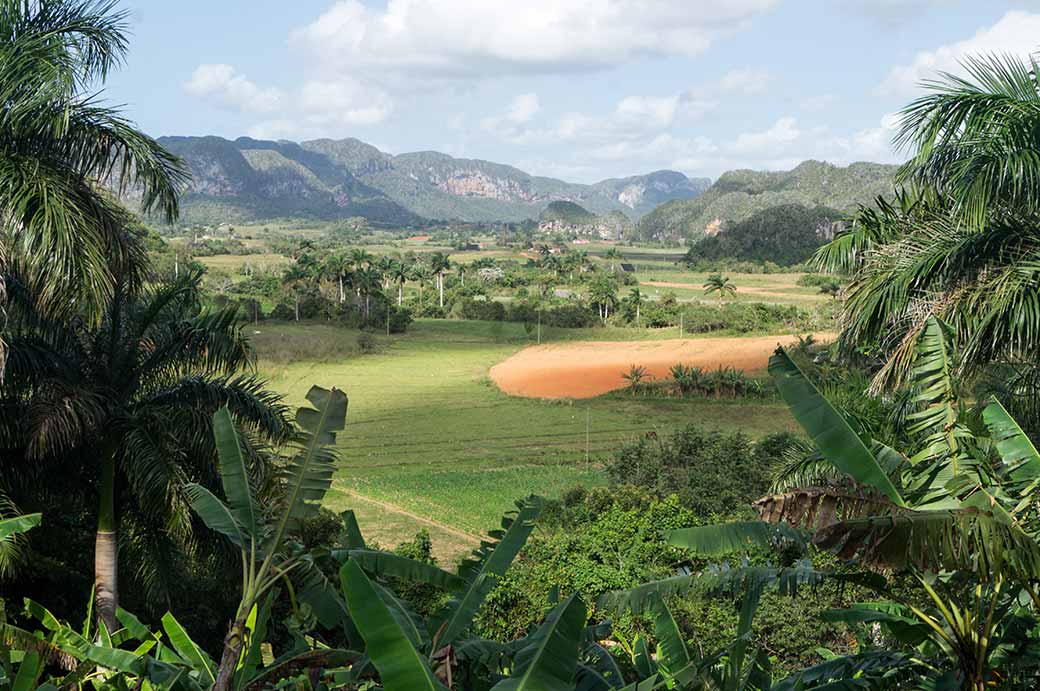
(400, 319)
(745, 318)
(484, 310)
(713, 473)
(366, 342)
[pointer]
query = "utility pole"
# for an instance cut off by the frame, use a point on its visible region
(539, 326)
(680, 324)
(588, 435)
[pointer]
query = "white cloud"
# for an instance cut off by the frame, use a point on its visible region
(343, 101)
(523, 108)
(224, 85)
(749, 81)
(506, 37)
(1015, 33)
(777, 138)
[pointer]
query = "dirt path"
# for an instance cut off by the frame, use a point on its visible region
(589, 368)
(394, 508)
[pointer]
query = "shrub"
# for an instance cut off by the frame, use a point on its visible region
(711, 472)
(484, 310)
(366, 342)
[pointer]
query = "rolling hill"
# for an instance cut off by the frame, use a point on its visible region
(248, 179)
(742, 194)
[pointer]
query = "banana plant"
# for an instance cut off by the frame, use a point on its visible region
(261, 533)
(546, 661)
(12, 528)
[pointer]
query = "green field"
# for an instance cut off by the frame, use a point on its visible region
(429, 435)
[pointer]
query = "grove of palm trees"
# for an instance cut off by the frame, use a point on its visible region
(171, 519)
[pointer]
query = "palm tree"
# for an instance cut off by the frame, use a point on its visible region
(384, 265)
(400, 272)
(717, 283)
(635, 300)
(421, 273)
(603, 292)
(368, 281)
(959, 241)
(614, 256)
(360, 258)
(60, 148)
(131, 397)
(440, 264)
(337, 266)
(296, 278)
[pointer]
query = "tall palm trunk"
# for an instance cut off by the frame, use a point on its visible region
(440, 287)
(400, 294)
(106, 564)
(342, 296)
(297, 308)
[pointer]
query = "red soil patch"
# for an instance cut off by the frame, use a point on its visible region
(417, 238)
(741, 289)
(590, 368)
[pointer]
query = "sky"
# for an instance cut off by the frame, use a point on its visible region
(577, 89)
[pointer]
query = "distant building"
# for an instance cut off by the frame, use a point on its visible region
(627, 268)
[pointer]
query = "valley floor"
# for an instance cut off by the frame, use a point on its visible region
(432, 443)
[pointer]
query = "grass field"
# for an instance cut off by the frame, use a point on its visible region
(430, 442)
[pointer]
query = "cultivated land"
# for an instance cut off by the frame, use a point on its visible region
(587, 369)
(432, 442)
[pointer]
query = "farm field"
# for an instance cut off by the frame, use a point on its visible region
(432, 442)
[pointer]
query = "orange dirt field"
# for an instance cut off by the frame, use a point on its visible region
(589, 368)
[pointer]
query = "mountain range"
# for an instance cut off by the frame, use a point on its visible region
(249, 179)
(741, 194)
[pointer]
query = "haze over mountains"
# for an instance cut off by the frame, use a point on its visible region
(248, 179)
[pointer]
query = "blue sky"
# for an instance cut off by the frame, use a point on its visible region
(577, 89)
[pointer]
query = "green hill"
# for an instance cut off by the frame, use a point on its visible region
(738, 195)
(568, 212)
(787, 234)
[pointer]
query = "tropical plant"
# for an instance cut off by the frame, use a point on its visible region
(367, 280)
(62, 231)
(421, 274)
(260, 533)
(130, 399)
(400, 272)
(439, 265)
(603, 293)
(954, 508)
(959, 241)
(296, 278)
(338, 267)
(635, 300)
(12, 525)
(720, 285)
(613, 255)
(635, 376)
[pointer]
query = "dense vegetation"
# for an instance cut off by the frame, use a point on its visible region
(739, 195)
(787, 235)
(895, 545)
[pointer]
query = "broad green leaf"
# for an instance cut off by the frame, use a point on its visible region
(352, 536)
(460, 612)
(309, 473)
(233, 472)
(724, 538)
(831, 433)
(411, 570)
(551, 661)
(18, 524)
(401, 667)
(1020, 457)
(188, 649)
(214, 513)
(672, 653)
(28, 672)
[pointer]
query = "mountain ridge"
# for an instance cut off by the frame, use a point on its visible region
(252, 179)
(740, 194)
